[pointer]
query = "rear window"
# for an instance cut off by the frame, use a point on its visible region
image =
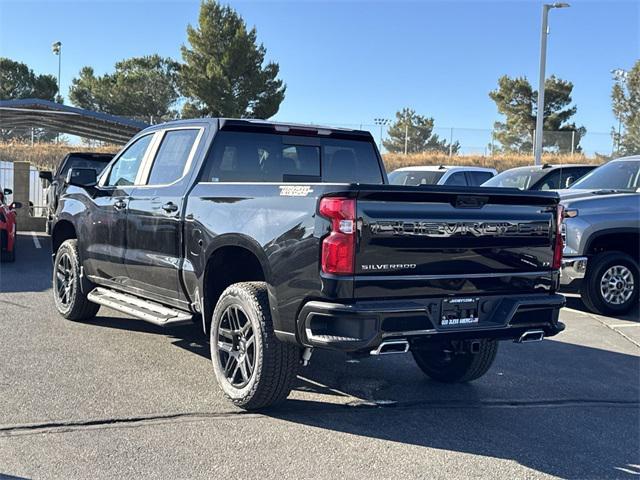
(84, 162)
(261, 157)
(415, 177)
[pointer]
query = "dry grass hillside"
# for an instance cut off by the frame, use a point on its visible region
(46, 156)
(499, 162)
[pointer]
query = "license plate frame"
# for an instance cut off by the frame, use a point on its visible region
(459, 312)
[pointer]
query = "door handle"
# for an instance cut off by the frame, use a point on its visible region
(170, 207)
(120, 205)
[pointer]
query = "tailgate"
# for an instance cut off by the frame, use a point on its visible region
(422, 241)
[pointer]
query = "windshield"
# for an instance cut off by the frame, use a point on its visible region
(79, 162)
(521, 178)
(613, 175)
(415, 177)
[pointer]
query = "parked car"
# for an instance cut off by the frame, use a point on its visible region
(442, 175)
(55, 180)
(602, 237)
(277, 239)
(545, 177)
(7, 226)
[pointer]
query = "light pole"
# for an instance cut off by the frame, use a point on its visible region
(383, 122)
(543, 62)
(56, 48)
(619, 75)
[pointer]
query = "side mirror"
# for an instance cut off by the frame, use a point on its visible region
(15, 205)
(7, 192)
(48, 176)
(81, 177)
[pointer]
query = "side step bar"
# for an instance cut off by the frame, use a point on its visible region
(139, 308)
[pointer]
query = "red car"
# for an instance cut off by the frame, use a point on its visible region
(7, 227)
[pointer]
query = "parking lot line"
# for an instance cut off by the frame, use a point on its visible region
(36, 240)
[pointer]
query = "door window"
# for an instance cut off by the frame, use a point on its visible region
(125, 169)
(456, 178)
(478, 178)
(551, 181)
(172, 156)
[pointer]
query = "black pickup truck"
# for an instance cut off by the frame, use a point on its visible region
(277, 239)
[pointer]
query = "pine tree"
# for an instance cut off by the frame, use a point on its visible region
(224, 72)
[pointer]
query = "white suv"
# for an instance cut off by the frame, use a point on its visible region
(442, 175)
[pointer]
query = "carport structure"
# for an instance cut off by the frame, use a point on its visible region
(30, 113)
(27, 115)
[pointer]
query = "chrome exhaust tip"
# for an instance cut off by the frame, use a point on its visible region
(531, 336)
(390, 347)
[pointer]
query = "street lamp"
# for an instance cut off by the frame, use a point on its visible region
(543, 61)
(383, 122)
(56, 48)
(619, 75)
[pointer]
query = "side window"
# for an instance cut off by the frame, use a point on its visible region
(124, 171)
(478, 178)
(551, 181)
(456, 178)
(568, 176)
(172, 156)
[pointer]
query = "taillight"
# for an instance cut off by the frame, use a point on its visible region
(338, 248)
(559, 242)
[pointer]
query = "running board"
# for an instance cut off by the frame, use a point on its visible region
(139, 308)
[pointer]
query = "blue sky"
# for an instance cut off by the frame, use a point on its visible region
(349, 62)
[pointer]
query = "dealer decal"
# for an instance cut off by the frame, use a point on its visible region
(295, 190)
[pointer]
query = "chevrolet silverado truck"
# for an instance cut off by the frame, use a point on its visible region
(276, 239)
(602, 237)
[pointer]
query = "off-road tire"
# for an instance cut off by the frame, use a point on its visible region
(276, 363)
(590, 290)
(76, 306)
(460, 367)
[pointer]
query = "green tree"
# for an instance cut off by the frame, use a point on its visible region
(18, 81)
(223, 73)
(417, 130)
(625, 96)
(140, 87)
(517, 101)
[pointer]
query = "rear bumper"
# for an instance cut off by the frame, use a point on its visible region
(572, 272)
(364, 325)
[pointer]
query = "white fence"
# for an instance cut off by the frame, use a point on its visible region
(37, 194)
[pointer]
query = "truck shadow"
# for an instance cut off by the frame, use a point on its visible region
(562, 409)
(574, 302)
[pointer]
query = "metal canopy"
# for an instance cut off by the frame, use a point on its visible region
(28, 113)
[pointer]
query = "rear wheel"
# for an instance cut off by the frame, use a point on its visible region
(70, 301)
(611, 283)
(449, 366)
(253, 368)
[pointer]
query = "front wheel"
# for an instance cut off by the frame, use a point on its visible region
(611, 283)
(449, 366)
(253, 368)
(71, 302)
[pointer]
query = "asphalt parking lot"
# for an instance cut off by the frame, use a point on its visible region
(119, 398)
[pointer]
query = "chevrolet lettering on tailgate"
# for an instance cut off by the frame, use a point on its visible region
(450, 229)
